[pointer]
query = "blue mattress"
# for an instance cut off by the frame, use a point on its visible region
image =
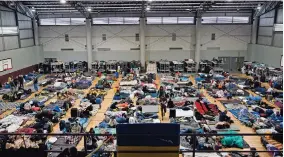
(154, 95)
(199, 79)
(184, 79)
(244, 119)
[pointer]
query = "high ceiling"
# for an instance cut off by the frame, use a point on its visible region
(97, 8)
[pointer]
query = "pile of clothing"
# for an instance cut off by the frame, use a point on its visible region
(82, 84)
(87, 108)
(11, 123)
(4, 106)
(72, 125)
(104, 83)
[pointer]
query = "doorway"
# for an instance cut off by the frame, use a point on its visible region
(232, 64)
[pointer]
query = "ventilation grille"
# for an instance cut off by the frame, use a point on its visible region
(213, 48)
(135, 48)
(103, 49)
(67, 49)
(175, 48)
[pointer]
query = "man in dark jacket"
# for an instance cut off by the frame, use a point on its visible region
(16, 82)
(36, 83)
(163, 102)
(21, 81)
(171, 104)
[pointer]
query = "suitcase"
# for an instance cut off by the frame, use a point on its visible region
(74, 112)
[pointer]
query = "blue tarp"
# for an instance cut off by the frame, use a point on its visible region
(57, 109)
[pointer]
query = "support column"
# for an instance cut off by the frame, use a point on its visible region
(142, 41)
(35, 25)
(197, 41)
(254, 30)
(89, 43)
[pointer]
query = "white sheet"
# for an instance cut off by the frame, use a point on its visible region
(183, 113)
(150, 109)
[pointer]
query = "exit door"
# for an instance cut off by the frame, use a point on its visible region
(226, 63)
(232, 64)
(236, 63)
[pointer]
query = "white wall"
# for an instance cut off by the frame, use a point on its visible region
(22, 58)
(231, 40)
(265, 54)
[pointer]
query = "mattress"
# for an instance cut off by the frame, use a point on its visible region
(232, 128)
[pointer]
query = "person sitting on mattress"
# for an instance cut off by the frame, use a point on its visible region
(220, 94)
(223, 117)
(112, 123)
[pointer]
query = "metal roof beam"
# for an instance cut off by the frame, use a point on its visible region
(267, 7)
(81, 8)
(18, 7)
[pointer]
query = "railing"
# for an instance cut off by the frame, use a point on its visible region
(193, 136)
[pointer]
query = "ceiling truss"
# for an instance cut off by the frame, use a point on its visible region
(139, 7)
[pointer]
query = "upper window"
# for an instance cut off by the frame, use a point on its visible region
(9, 30)
(50, 21)
(185, 20)
(78, 21)
(115, 20)
(131, 20)
(154, 20)
(225, 20)
(170, 20)
(240, 19)
(100, 21)
(209, 20)
(62, 21)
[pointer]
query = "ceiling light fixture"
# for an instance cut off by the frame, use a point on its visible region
(258, 7)
(89, 9)
(33, 9)
(62, 1)
(148, 8)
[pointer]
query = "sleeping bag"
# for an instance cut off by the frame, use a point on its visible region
(232, 141)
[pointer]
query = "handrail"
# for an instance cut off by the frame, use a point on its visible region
(184, 134)
(193, 135)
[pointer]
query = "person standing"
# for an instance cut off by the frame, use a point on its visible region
(116, 74)
(99, 101)
(21, 81)
(12, 85)
(16, 82)
(171, 103)
(36, 83)
(163, 106)
(161, 92)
